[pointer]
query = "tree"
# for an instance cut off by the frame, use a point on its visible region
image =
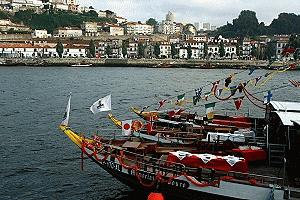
(221, 50)
(125, 44)
(254, 51)
(156, 50)
(141, 50)
(205, 50)
(92, 49)
(59, 48)
(271, 50)
(174, 51)
(189, 52)
(108, 50)
(154, 23)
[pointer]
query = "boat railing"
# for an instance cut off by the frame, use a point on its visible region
(165, 167)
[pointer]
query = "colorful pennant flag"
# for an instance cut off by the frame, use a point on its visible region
(219, 92)
(295, 83)
(214, 87)
(228, 81)
(198, 92)
(251, 70)
(268, 97)
(161, 103)
(209, 108)
(206, 95)
(238, 102)
(257, 79)
(103, 104)
(233, 90)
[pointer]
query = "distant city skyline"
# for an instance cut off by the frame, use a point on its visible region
(217, 12)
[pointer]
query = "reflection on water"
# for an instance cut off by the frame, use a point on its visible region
(39, 162)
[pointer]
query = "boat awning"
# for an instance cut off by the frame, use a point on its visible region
(287, 118)
(129, 144)
(168, 121)
(296, 122)
(286, 106)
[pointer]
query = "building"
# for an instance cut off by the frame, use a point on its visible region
(165, 50)
(40, 34)
(7, 26)
(75, 51)
(120, 20)
(281, 42)
(206, 26)
(89, 28)
(170, 17)
(196, 53)
(213, 50)
(230, 51)
(138, 28)
(116, 30)
(132, 49)
(68, 32)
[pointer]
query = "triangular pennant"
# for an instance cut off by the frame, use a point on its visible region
(268, 97)
(180, 97)
(251, 70)
(233, 90)
(238, 102)
(257, 79)
(228, 81)
(219, 92)
(209, 109)
(214, 87)
(206, 95)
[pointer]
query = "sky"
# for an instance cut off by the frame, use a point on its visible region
(216, 12)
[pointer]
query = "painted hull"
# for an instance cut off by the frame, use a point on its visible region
(180, 186)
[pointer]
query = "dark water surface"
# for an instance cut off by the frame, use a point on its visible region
(39, 162)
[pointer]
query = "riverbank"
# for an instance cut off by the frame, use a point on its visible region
(159, 63)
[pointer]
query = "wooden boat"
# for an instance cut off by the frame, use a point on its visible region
(148, 166)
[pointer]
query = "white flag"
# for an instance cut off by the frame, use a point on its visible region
(65, 121)
(103, 104)
(126, 127)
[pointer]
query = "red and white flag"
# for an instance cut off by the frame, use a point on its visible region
(126, 127)
(295, 83)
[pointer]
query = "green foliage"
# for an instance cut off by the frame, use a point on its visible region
(4, 15)
(156, 50)
(92, 49)
(108, 50)
(152, 22)
(141, 50)
(221, 50)
(286, 23)
(60, 48)
(50, 20)
(174, 51)
(205, 50)
(125, 44)
(271, 50)
(189, 52)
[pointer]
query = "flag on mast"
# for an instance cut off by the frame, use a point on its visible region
(209, 108)
(66, 117)
(103, 104)
(126, 127)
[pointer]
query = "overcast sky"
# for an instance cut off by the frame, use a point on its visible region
(217, 12)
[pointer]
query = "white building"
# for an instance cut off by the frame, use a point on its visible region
(68, 32)
(20, 50)
(132, 49)
(89, 28)
(230, 51)
(40, 34)
(116, 30)
(196, 53)
(120, 20)
(213, 51)
(281, 43)
(75, 51)
(138, 28)
(165, 50)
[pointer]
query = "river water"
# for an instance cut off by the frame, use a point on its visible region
(39, 162)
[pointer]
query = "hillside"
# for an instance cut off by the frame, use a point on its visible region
(51, 20)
